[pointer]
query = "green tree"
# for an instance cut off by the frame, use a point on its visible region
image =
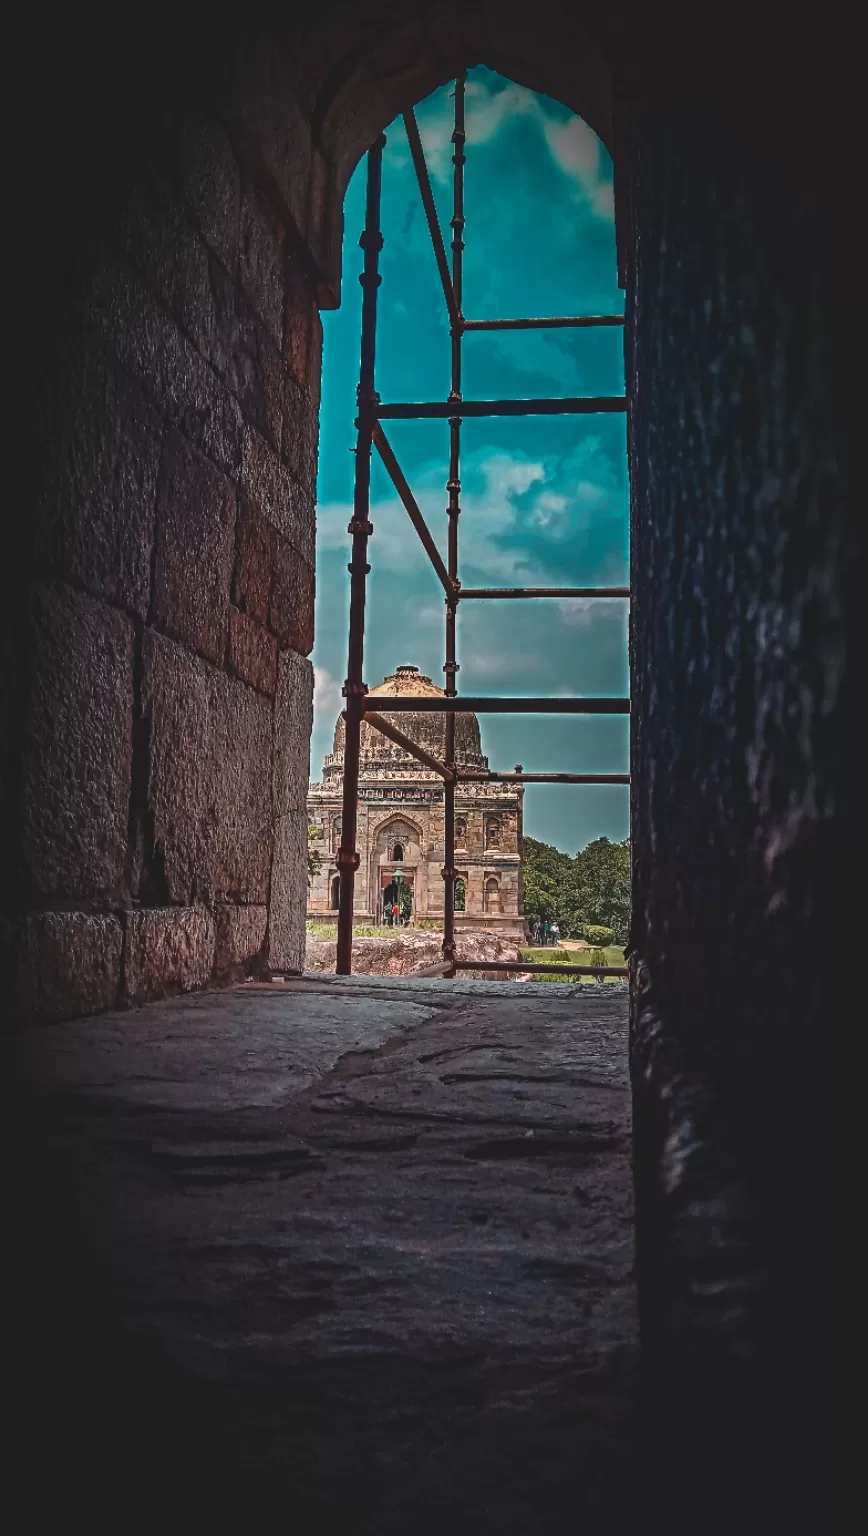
(314, 857)
(602, 885)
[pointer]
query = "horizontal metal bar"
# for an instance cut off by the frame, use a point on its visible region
(386, 728)
(434, 970)
(550, 323)
(490, 592)
(469, 777)
(430, 703)
(411, 506)
(420, 166)
(533, 965)
(441, 410)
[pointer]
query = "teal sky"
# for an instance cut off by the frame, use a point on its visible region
(544, 500)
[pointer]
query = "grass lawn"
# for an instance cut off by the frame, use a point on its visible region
(614, 955)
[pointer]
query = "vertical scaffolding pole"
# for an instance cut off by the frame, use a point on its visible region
(361, 530)
(453, 509)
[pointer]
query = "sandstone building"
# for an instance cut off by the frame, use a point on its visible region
(401, 824)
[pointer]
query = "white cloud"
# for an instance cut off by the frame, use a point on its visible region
(327, 698)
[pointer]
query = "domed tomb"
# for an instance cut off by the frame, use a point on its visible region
(429, 730)
(400, 831)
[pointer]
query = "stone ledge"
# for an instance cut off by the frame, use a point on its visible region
(168, 949)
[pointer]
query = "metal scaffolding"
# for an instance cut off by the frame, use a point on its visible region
(371, 414)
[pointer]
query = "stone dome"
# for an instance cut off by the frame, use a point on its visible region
(379, 755)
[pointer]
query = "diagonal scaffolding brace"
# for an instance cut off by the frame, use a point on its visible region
(454, 410)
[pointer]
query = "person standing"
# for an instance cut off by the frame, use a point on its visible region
(556, 935)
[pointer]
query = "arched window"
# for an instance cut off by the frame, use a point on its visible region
(491, 898)
(461, 831)
(397, 853)
(460, 895)
(335, 893)
(493, 832)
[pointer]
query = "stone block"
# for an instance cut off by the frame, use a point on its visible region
(293, 724)
(261, 263)
(94, 475)
(302, 331)
(212, 181)
(271, 491)
(76, 746)
(300, 434)
(288, 906)
(209, 778)
(254, 561)
(160, 238)
(150, 344)
(245, 355)
(291, 610)
(195, 547)
(240, 937)
(59, 964)
(252, 652)
(168, 949)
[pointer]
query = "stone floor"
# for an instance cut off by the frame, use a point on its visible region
(363, 1249)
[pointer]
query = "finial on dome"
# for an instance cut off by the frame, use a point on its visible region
(406, 671)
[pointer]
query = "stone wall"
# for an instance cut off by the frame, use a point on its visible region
(157, 691)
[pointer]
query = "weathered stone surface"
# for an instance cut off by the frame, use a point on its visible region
(254, 563)
(252, 652)
(195, 547)
(261, 263)
(150, 344)
(77, 745)
(209, 784)
(240, 937)
(291, 606)
(160, 238)
(378, 1245)
(212, 181)
(245, 355)
(94, 476)
(271, 491)
(293, 724)
(300, 438)
(410, 949)
(168, 949)
(287, 906)
(58, 964)
(302, 329)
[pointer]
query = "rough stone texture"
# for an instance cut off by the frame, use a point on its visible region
(209, 785)
(212, 181)
(293, 723)
(252, 652)
(270, 491)
(409, 950)
(254, 563)
(148, 342)
(76, 747)
(58, 964)
(369, 1255)
(302, 332)
(195, 549)
(245, 355)
(160, 238)
(300, 432)
(742, 794)
(168, 949)
(262, 261)
(291, 605)
(94, 479)
(240, 937)
(288, 898)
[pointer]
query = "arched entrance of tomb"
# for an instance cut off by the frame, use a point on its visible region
(396, 849)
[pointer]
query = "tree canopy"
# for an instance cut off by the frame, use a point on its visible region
(590, 890)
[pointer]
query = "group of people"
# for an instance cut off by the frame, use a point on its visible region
(393, 917)
(544, 933)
